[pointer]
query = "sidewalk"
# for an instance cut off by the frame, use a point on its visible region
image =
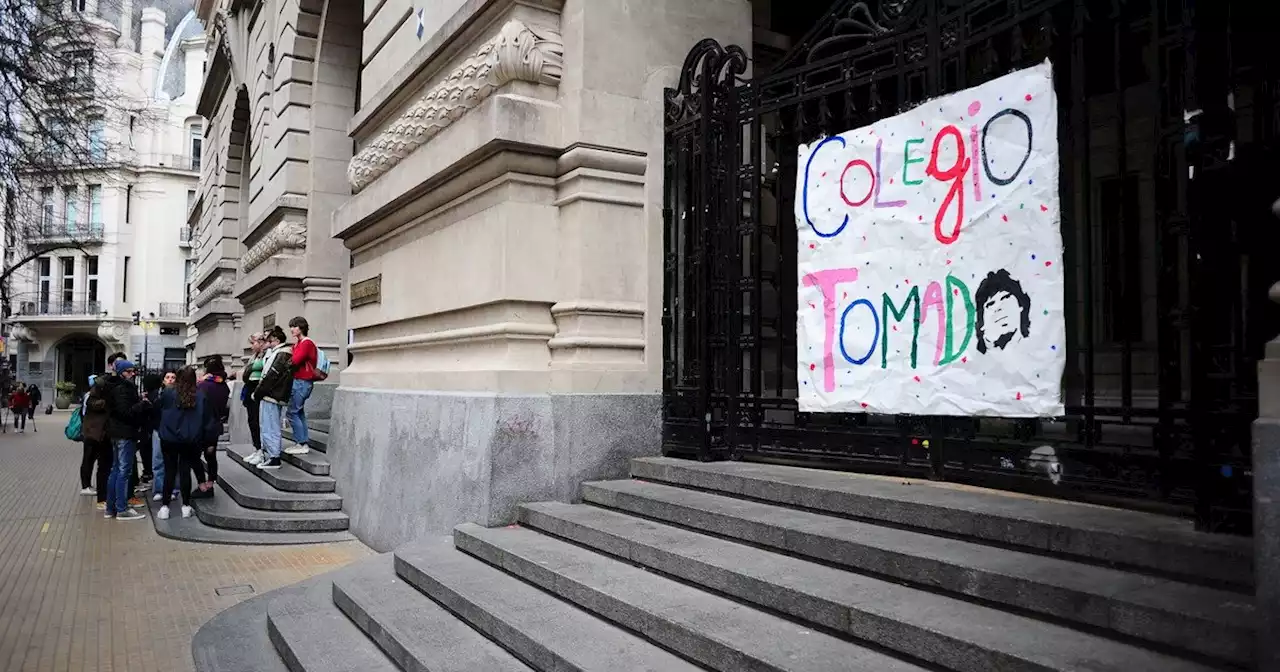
(80, 593)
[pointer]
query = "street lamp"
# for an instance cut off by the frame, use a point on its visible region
(146, 335)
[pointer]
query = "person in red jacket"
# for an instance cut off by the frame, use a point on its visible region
(18, 402)
(305, 357)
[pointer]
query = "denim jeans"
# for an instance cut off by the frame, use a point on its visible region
(118, 482)
(269, 419)
(298, 410)
(157, 464)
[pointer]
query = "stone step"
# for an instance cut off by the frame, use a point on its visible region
(1204, 620)
(320, 425)
(192, 529)
(312, 635)
(317, 439)
(415, 632)
(226, 513)
(252, 492)
(314, 462)
(939, 629)
(235, 640)
(711, 630)
(1133, 539)
(543, 631)
(288, 477)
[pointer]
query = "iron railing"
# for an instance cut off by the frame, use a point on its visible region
(55, 305)
(1165, 288)
(55, 230)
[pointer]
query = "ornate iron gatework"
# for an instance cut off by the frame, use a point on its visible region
(1168, 164)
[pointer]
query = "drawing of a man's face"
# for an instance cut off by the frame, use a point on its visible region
(1004, 311)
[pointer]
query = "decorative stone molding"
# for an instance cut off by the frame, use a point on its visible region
(517, 53)
(21, 332)
(222, 286)
(285, 235)
(113, 333)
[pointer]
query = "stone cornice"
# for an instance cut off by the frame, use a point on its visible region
(518, 52)
(221, 286)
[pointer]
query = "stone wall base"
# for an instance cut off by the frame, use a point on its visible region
(413, 464)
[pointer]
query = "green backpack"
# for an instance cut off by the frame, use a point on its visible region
(73, 430)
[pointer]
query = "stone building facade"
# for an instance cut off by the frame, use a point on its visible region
(473, 191)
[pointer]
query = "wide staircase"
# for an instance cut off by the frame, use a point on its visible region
(295, 504)
(736, 566)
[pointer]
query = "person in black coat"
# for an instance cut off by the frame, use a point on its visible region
(127, 420)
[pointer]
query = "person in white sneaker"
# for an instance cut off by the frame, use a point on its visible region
(188, 421)
(305, 362)
(273, 393)
(251, 375)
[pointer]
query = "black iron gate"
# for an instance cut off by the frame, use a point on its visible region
(1167, 129)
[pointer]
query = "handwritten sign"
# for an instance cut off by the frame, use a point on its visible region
(930, 258)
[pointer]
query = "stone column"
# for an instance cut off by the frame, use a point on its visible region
(1266, 500)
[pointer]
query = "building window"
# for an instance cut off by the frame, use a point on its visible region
(191, 198)
(95, 208)
(97, 140)
(45, 268)
(78, 5)
(175, 358)
(124, 282)
(91, 279)
(47, 210)
(128, 202)
(196, 135)
(70, 207)
(68, 281)
(81, 62)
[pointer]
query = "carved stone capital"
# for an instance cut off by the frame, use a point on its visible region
(285, 236)
(518, 52)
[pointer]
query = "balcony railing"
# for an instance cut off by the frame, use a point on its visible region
(56, 230)
(170, 310)
(53, 306)
(179, 161)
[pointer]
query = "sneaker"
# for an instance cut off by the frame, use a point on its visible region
(254, 457)
(186, 511)
(141, 488)
(88, 491)
(129, 515)
(108, 515)
(272, 463)
(135, 502)
(299, 449)
(164, 513)
(101, 506)
(157, 497)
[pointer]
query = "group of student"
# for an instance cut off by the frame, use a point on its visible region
(175, 422)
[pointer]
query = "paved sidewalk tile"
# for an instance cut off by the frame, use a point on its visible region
(82, 594)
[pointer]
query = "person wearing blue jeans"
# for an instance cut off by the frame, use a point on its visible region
(127, 420)
(273, 394)
(304, 360)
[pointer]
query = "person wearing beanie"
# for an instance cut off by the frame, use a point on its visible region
(127, 419)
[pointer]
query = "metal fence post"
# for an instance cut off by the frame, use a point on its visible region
(1266, 499)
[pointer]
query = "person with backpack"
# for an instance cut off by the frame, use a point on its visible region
(88, 425)
(187, 423)
(272, 395)
(309, 366)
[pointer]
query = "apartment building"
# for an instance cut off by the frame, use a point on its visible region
(114, 277)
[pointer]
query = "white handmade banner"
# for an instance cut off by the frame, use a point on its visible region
(930, 258)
